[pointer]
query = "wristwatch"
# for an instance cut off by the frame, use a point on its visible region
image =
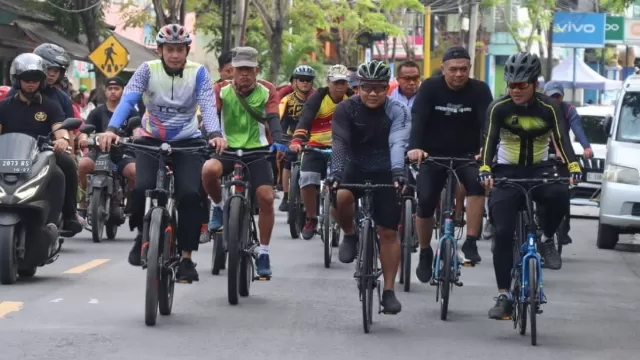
(66, 137)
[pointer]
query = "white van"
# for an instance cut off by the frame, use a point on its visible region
(620, 197)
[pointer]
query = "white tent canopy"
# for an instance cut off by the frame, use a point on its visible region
(585, 77)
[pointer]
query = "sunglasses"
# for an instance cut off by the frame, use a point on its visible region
(378, 89)
(411, 78)
(305, 79)
(518, 85)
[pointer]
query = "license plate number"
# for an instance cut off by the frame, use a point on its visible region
(15, 166)
(594, 177)
(103, 165)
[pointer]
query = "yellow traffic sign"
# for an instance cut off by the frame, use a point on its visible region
(110, 57)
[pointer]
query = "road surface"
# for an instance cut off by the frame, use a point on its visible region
(90, 305)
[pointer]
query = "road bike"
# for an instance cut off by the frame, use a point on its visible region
(407, 231)
(296, 214)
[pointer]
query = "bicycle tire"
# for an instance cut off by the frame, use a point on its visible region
(98, 205)
(234, 228)
(445, 281)
(295, 207)
(167, 282)
(327, 228)
(407, 244)
(218, 256)
(366, 275)
(533, 299)
(153, 266)
(246, 260)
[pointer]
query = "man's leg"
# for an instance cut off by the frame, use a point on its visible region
(86, 165)
(344, 213)
(312, 169)
(475, 210)
(212, 171)
(261, 178)
(286, 177)
(552, 200)
(461, 193)
(431, 180)
(68, 167)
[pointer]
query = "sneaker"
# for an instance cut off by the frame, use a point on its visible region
(284, 205)
(552, 259)
(470, 250)
(487, 232)
(187, 271)
(74, 225)
(309, 229)
(390, 304)
(205, 235)
(565, 239)
(216, 219)
(502, 309)
(263, 265)
(136, 251)
(348, 248)
(424, 271)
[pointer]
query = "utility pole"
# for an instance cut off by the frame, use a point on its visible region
(473, 34)
(183, 11)
(240, 9)
(427, 42)
(548, 73)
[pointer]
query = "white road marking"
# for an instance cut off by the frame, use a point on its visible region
(93, 301)
(56, 300)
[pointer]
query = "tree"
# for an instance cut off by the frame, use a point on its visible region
(273, 14)
(398, 12)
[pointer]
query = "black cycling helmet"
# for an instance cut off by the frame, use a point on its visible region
(374, 71)
(54, 56)
(29, 67)
(304, 70)
(522, 67)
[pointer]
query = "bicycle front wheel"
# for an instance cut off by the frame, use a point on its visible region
(154, 265)
(295, 204)
(235, 229)
(533, 299)
(327, 226)
(366, 274)
(407, 244)
(445, 275)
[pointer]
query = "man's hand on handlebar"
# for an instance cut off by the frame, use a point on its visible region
(60, 145)
(417, 155)
(486, 179)
(399, 180)
(218, 143)
(83, 141)
(295, 147)
(108, 138)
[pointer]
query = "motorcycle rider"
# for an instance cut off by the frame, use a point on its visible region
(29, 112)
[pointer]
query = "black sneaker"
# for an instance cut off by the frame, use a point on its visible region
(390, 304)
(470, 251)
(552, 259)
(348, 248)
(565, 239)
(502, 309)
(72, 225)
(284, 205)
(187, 271)
(424, 271)
(135, 253)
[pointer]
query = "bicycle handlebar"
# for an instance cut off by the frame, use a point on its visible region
(365, 186)
(240, 153)
(532, 181)
(320, 150)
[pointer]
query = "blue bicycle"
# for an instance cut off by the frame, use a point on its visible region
(526, 276)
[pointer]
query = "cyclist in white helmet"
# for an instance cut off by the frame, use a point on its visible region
(173, 88)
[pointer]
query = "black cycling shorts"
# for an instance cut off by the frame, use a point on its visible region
(288, 159)
(386, 205)
(259, 168)
(121, 161)
(431, 181)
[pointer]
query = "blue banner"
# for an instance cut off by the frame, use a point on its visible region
(579, 30)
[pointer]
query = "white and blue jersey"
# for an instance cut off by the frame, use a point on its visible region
(172, 101)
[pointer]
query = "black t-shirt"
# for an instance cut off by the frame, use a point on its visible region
(34, 119)
(100, 117)
(446, 122)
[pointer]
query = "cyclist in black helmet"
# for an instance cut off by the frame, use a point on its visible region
(519, 127)
(370, 135)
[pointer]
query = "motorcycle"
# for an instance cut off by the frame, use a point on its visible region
(106, 191)
(26, 167)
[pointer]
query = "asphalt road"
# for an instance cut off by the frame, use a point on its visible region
(90, 305)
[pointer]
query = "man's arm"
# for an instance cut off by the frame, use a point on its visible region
(341, 137)
(309, 111)
(272, 113)
(575, 122)
(132, 94)
(207, 102)
(399, 132)
(485, 98)
(561, 135)
(420, 113)
(55, 117)
(492, 135)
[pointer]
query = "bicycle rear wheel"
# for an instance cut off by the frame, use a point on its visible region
(407, 244)
(234, 230)
(167, 282)
(327, 226)
(366, 275)
(445, 277)
(154, 265)
(295, 206)
(533, 299)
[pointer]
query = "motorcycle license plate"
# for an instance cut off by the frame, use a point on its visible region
(15, 166)
(103, 164)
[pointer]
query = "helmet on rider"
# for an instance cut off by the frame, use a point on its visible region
(173, 34)
(374, 71)
(29, 68)
(304, 71)
(56, 59)
(4, 91)
(173, 57)
(522, 67)
(374, 79)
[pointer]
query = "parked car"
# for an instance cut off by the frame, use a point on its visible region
(620, 196)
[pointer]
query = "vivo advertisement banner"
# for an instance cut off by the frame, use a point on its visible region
(579, 30)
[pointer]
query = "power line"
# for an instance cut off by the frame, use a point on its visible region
(98, 2)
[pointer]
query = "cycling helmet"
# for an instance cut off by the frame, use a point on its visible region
(374, 71)
(173, 34)
(53, 55)
(304, 70)
(4, 91)
(28, 64)
(522, 67)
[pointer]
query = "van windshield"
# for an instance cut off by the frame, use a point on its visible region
(594, 129)
(629, 122)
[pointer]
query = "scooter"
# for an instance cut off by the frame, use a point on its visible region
(26, 167)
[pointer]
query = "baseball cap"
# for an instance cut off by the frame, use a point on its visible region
(353, 81)
(337, 73)
(114, 81)
(82, 88)
(244, 56)
(455, 52)
(553, 88)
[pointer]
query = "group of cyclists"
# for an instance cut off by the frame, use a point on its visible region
(371, 129)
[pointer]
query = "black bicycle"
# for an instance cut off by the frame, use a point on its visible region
(367, 269)
(239, 231)
(407, 230)
(296, 214)
(160, 253)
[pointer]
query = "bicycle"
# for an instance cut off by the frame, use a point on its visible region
(328, 228)
(239, 230)
(367, 269)
(296, 214)
(446, 264)
(160, 253)
(526, 276)
(407, 232)
(219, 253)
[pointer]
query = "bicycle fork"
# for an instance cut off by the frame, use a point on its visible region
(449, 229)
(530, 252)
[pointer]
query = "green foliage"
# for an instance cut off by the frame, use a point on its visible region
(539, 13)
(66, 22)
(614, 6)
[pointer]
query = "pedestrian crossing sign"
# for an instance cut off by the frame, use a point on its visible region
(110, 57)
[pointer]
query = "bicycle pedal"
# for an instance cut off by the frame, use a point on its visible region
(458, 283)
(468, 264)
(539, 311)
(185, 281)
(433, 282)
(262, 278)
(506, 317)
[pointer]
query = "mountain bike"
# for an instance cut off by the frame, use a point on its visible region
(407, 231)
(296, 214)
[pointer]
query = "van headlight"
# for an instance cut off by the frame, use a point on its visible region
(621, 174)
(30, 188)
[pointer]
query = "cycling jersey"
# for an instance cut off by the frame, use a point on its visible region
(314, 124)
(171, 102)
(290, 109)
(521, 133)
(371, 140)
(240, 129)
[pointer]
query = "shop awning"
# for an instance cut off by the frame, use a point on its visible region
(44, 34)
